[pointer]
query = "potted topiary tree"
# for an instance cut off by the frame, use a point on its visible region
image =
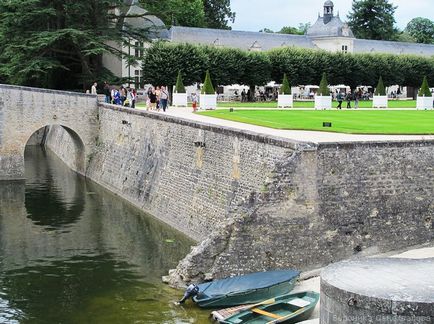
(179, 95)
(424, 97)
(208, 97)
(380, 97)
(285, 98)
(323, 99)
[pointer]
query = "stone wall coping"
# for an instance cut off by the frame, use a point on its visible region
(258, 137)
(379, 143)
(40, 90)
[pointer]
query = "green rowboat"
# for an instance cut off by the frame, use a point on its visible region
(290, 308)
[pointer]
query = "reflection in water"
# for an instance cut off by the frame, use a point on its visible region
(70, 252)
(46, 182)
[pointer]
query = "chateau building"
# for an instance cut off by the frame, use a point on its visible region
(329, 33)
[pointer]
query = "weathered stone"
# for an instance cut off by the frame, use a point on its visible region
(378, 291)
(256, 202)
(24, 111)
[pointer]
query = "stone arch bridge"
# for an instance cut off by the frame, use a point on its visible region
(24, 111)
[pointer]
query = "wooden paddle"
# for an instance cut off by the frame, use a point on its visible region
(265, 302)
(284, 318)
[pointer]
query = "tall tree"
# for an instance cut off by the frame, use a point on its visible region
(218, 13)
(421, 29)
(189, 13)
(60, 44)
(373, 19)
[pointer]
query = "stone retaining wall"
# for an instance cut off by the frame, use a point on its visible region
(257, 202)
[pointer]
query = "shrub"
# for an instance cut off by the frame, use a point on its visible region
(179, 88)
(323, 86)
(424, 90)
(286, 87)
(380, 90)
(207, 85)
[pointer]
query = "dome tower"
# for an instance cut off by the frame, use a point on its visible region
(328, 11)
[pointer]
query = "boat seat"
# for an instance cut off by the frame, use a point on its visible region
(299, 302)
(268, 314)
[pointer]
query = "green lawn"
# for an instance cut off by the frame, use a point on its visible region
(343, 121)
(310, 104)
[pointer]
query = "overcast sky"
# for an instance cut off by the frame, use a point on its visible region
(254, 15)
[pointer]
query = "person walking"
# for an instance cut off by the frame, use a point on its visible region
(243, 95)
(357, 97)
(128, 102)
(348, 98)
(194, 101)
(164, 98)
(153, 99)
(123, 94)
(93, 88)
(117, 98)
(107, 92)
(340, 99)
(158, 94)
(133, 98)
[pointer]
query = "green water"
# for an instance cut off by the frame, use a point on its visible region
(71, 252)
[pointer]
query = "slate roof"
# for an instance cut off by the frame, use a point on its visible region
(155, 25)
(237, 39)
(331, 29)
(375, 46)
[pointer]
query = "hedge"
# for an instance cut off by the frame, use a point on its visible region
(179, 87)
(424, 90)
(303, 66)
(207, 85)
(286, 87)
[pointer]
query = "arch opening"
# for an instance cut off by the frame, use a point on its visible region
(67, 144)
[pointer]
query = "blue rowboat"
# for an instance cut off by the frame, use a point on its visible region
(245, 289)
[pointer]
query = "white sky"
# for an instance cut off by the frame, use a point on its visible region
(254, 15)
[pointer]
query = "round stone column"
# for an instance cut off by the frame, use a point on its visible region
(378, 291)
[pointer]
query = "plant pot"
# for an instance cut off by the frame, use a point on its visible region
(179, 100)
(285, 101)
(380, 102)
(208, 101)
(323, 102)
(424, 103)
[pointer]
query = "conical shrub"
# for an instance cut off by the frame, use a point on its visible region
(424, 90)
(380, 90)
(179, 88)
(323, 86)
(207, 85)
(286, 87)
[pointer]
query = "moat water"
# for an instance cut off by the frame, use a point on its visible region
(72, 252)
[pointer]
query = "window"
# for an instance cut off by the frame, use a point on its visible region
(138, 74)
(138, 49)
(344, 48)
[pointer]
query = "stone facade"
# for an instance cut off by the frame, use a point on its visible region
(23, 111)
(257, 202)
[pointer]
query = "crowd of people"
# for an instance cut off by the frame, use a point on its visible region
(157, 98)
(349, 96)
(121, 96)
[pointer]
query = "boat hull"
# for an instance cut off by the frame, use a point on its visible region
(249, 297)
(290, 308)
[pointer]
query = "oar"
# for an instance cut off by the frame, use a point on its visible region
(265, 302)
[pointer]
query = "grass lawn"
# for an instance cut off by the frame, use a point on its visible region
(343, 121)
(310, 104)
